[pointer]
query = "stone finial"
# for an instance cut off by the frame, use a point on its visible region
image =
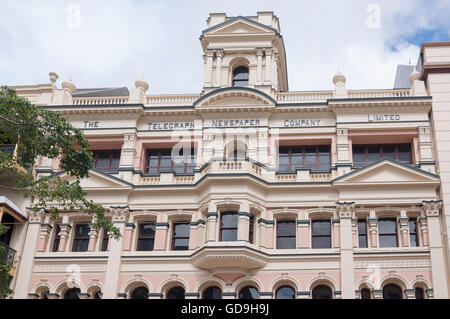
(141, 84)
(53, 77)
(339, 78)
(69, 86)
(415, 76)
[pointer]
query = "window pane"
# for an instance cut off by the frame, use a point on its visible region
(365, 293)
(114, 163)
(359, 149)
(286, 243)
(230, 220)
(176, 293)
(359, 158)
(248, 293)
(286, 228)
(181, 230)
(321, 242)
(212, 293)
(373, 149)
(285, 293)
(81, 245)
(362, 226)
(388, 241)
(321, 227)
(147, 230)
(145, 244)
(389, 149)
(82, 230)
(181, 244)
(229, 234)
(387, 226)
(362, 241)
(322, 292)
(392, 292)
(404, 157)
(404, 148)
(373, 157)
(419, 293)
(140, 293)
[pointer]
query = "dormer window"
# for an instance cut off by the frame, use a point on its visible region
(240, 76)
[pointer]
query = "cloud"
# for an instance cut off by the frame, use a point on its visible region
(117, 42)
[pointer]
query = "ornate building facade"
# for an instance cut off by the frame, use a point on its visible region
(249, 190)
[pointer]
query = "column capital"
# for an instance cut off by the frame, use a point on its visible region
(35, 217)
(432, 208)
(219, 53)
(119, 214)
(345, 209)
(209, 53)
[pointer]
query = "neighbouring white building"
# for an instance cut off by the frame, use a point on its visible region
(272, 194)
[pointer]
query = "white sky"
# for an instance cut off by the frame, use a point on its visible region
(119, 41)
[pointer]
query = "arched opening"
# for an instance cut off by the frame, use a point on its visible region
(140, 293)
(236, 149)
(419, 293)
(72, 293)
(392, 291)
(240, 76)
(249, 292)
(365, 293)
(322, 292)
(285, 292)
(175, 293)
(213, 292)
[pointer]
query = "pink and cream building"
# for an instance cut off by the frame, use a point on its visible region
(278, 194)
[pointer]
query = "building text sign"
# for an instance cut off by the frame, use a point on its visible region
(301, 123)
(383, 117)
(236, 123)
(170, 126)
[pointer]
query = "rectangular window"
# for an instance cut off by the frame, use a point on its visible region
(56, 239)
(180, 236)
(362, 233)
(161, 160)
(313, 157)
(146, 237)
(387, 232)
(7, 148)
(251, 229)
(228, 226)
(321, 234)
(81, 237)
(106, 160)
(367, 154)
(105, 241)
(286, 234)
(413, 234)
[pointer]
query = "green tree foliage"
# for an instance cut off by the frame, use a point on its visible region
(40, 132)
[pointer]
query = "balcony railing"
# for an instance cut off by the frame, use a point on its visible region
(7, 254)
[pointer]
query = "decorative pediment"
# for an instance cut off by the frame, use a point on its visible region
(98, 180)
(238, 25)
(387, 172)
(237, 97)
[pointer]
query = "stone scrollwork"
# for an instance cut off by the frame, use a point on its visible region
(345, 210)
(432, 208)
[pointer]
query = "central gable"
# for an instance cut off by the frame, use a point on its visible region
(99, 180)
(235, 96)
(387, 172)
(238, 25)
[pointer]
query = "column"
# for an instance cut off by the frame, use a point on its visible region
(211, 228)
(423, 225)
(27, 257)
(355, 232)
(343, 147)
(377, 294)
(93, 235)
(345, 212)
(373, 230)
(128, 236)
(259, 54)
(219, 55)
(161, 233)
(244, 222)
(404, 231)
(425, 144)
(46, 230)
(127, 156)
(275, 70)
(208, 68)
(64, 234)
(119, 218)
(268, 66)
(439, 271)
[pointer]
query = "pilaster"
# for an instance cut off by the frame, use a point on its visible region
(345, 211)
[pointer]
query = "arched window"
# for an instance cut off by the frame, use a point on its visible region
(176, 293)
(140, 293)
(72, 293)
(249, 292)
(285, 292)
(240, 76)
(228, 226)
(212, 293)
(322, 292)
(392, 291)
(365, 293)
(418, 292)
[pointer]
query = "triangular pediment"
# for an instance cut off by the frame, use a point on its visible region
(98, 180)
(239, 25)
(387, 172)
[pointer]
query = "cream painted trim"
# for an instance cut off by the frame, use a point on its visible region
(285, 280)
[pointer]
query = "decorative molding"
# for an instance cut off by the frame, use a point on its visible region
(432, 208)
(345, 210)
